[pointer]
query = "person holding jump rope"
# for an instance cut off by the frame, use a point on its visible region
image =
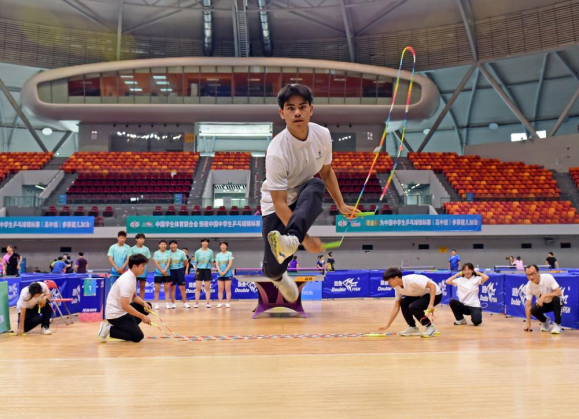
(416, 295)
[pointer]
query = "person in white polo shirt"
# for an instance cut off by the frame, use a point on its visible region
(547, 292)
(414, 295)
(125, 310)
(467, 284)
(291, 197)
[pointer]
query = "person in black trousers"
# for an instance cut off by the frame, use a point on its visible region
(467, 283)
(125, 310)
(34, 309)
(291, 197)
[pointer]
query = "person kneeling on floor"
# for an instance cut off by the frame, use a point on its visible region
(467, 284)
(124, 309)
(414, 294)
(547, 292)
(33, 308)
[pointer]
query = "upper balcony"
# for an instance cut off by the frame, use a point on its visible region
(212, 89)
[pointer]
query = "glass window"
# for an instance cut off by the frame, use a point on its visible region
(191, 78)
(160, 86)
(321, 83)
(289, 75)
(240, 81)
(142, 82)
(384, 87)
(223, 84)
(76, 86)
(92, 84)
(208, 80)
(175, 79)
(256, 82)
(369, 85)
(306, 77)
(126, 82)
(353, 85)
(337, 83)
(272, 81)
(109, 86)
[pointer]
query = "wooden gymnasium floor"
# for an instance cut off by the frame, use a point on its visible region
(494, 371)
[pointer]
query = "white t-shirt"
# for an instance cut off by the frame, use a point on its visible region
(290, 163)
(467, 290)
(125, 286)
(414, 286)
(519, 265)
(547, 284)
(25, 300)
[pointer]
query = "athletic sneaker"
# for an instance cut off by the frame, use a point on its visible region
(196, 305)
(429, 332)
(168, 306)
(545, 326)
(227, 305)
(460, 322)
(556, 329)
(174, 306)
(287, 287)
(45, 331)
(411, 331)
(186, 305)
(156, 306)
(104, 332)
(219, 305)
(282, 246)
(207, 305)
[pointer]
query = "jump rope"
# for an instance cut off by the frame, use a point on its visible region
(336, 244)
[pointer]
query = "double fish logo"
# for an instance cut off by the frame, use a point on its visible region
(350, 284)
(12, 292)
(251, 285)
(490, 290)
(76, 295)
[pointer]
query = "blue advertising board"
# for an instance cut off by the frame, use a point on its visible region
(312, 291)
(47, 225)
(378, 287)
(492, 294)
(440, 278)
(346, 284)
(395, 223)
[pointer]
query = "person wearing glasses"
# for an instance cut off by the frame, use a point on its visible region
(548, 294)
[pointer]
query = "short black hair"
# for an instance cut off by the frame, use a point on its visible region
(453, 250)
(162, 241)
(532, 266)
(81, 253)
(184, 248)
(552, 254)
(34, 288)
(392, 273)
(136, 260)
(330, 254)
(173, 241)
(139, 236)
(122, 233)
(295, 258)
(60, 257)
(204, 239)
(295, 89)
(223, 242)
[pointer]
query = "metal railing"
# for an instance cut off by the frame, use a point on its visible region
(23, 201)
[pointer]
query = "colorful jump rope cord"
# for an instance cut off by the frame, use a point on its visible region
(336, 244)
(176, 336)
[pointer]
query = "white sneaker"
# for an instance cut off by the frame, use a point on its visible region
(196, 305)
(429, 332)
(186, 305)
(174, 306)
(460, 322)
(104, 332)
(556, 329)
(156, 306)
(545, 326)
(227, 305)
(168, 306)
(207, 305)
(282, 246)
(45, 331)
(287, 287)
(411, 331)
(219, 305)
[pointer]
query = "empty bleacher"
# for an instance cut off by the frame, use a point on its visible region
(119, 177)
(517, 212)
(14, 162)
(490, 179)
(231, 161)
